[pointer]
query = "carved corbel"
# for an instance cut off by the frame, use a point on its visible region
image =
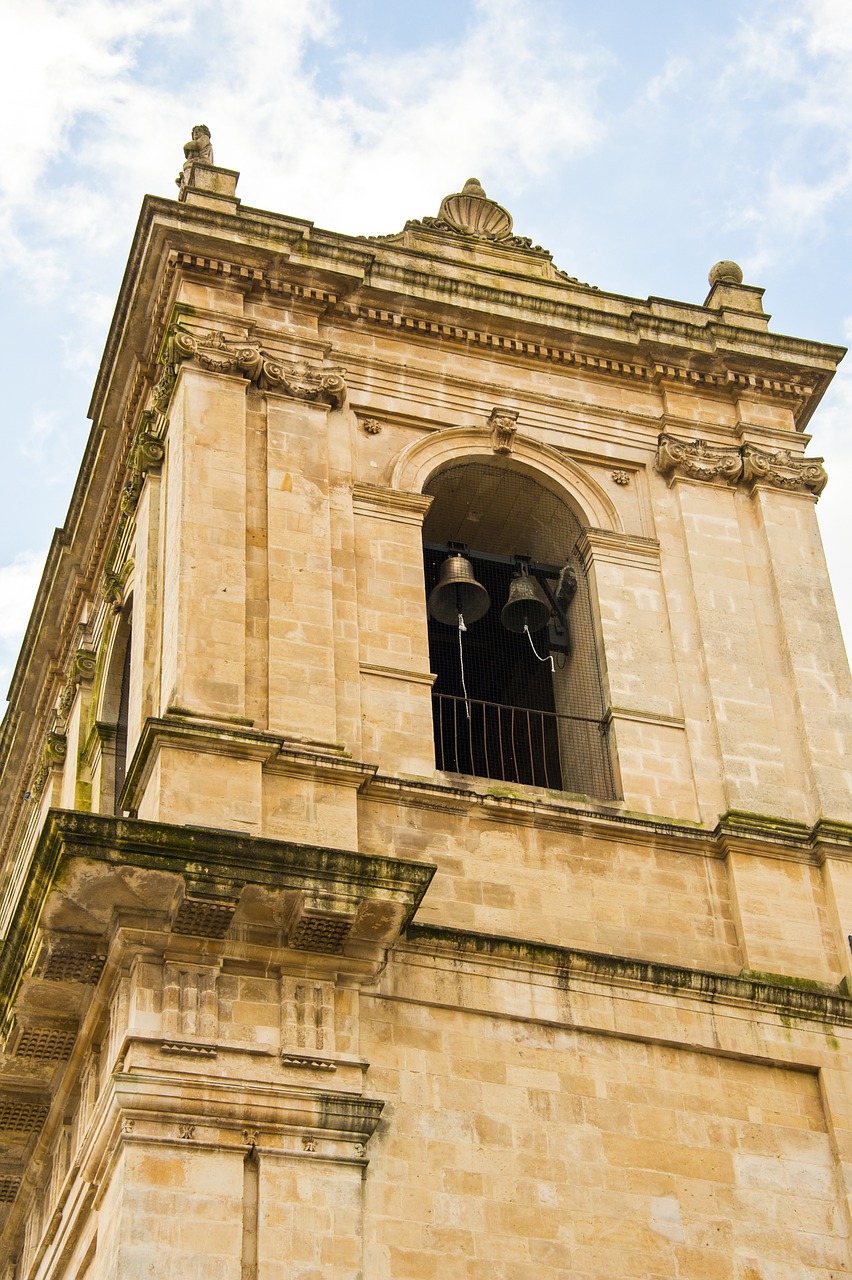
(213, 351)
(216, 353)
(146, 454)
(784, 470)
(82, 668)
(53, 754)
(503, 423)
(304, 382)
(698, 460)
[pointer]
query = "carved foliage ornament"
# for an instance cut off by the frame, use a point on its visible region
(503, 424)
(220, 354)
(698, 460)
(82, 668)
(146, 454)
(53, 753)
(784, 470)
(701, 461)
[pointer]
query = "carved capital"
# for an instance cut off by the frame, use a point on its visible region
(305, 382)
(218, 353)
(503, 423)
(784, 470)
(698, 460)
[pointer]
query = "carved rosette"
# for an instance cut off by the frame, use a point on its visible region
(783, 470)
(218, 353)
(698, 460)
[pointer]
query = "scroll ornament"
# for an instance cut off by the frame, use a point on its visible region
(82, 668)
(701, 461)
(146, 454)
(784, 470)
(698, 460)
(54, 752)
(219, 354)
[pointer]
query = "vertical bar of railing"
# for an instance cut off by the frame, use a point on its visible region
(516, 756)
(543, 750)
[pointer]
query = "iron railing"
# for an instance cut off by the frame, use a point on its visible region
(518, 744)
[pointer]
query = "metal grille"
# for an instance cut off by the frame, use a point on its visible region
(515, 718)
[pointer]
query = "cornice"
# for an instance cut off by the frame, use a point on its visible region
(618, 548)
(814, 1002)
(390, 504)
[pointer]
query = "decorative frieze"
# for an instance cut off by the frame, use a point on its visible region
(699, 460)
(219, 353)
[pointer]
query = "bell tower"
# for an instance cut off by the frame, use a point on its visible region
(426, 808)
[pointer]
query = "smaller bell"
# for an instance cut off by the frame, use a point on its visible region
(458, 592)
(526, 606)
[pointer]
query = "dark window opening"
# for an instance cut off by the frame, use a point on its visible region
(121, 726)
(512, 706)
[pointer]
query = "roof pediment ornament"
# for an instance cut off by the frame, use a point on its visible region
(471, 213)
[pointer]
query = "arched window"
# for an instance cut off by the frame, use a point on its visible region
(518, 695)
(113, 713)
(122, 720)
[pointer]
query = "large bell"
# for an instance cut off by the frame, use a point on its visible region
(526, 606)
(457, 592)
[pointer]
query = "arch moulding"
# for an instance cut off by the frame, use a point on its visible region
(440, 449)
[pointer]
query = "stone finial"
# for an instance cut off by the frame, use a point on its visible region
(471, 212)
(198, 150)
(726, 272)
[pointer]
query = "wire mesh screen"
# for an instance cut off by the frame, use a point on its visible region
(517, 706)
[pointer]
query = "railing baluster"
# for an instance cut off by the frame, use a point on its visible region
(558, 738)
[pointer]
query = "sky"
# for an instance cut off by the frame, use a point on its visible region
(639, 143)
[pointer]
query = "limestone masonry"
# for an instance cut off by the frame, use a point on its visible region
(425, 792)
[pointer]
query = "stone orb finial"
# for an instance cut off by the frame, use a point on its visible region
(473, 187)
(726, 273)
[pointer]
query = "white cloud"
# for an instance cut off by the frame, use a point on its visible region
(18, 584)
(832, 428)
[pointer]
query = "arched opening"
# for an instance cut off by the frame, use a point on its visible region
(519, 694)
(113, 712)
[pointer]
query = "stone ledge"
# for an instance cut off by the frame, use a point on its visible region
(787, 996)
(377, 895)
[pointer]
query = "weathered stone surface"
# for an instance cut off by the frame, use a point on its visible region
(279, 997)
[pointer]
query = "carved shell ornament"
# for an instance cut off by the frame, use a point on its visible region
(472, 213)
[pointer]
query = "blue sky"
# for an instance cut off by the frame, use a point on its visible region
(640, 144)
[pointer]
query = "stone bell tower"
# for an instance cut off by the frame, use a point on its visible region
(425, 788)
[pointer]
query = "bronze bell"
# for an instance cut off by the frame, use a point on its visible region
(526, 605)
(457, 592)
